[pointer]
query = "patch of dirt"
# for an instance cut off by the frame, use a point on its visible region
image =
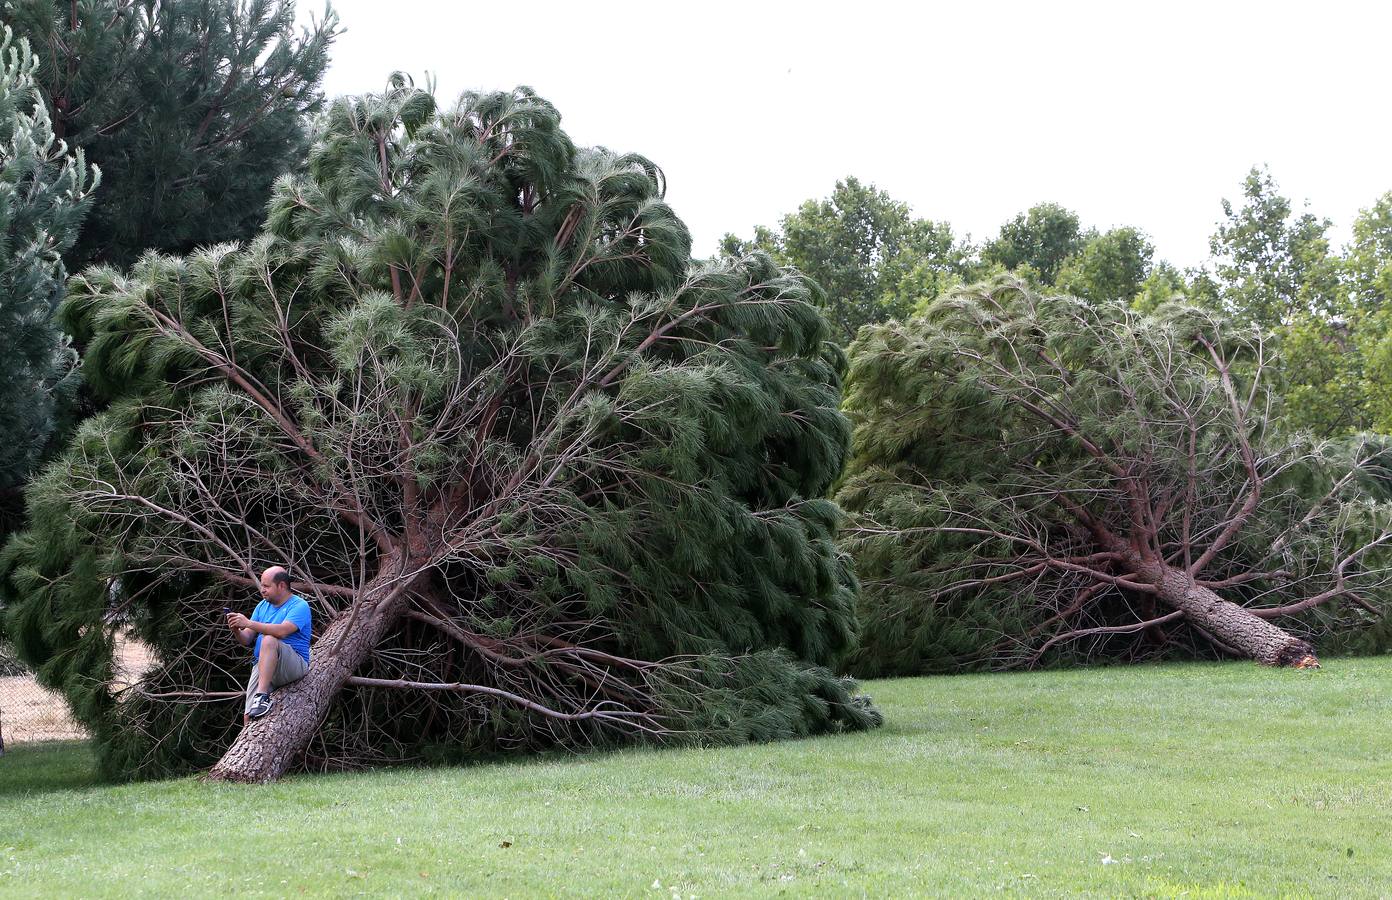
(29, 712)
(133, 660)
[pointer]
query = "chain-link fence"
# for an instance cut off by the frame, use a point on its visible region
(28, 712)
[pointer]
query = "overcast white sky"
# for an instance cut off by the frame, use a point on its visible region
(1128, 113)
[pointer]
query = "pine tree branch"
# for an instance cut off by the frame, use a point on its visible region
(1107, 629)
(1254, 487)
(1340, 588)
(627, 718)
(171, 327)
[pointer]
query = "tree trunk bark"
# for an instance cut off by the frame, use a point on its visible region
(1228, 622)
(269, 746)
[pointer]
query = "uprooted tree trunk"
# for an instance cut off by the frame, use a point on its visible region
(1237, 628)
(1038, 474)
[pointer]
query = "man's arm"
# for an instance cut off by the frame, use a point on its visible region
(249, 629)
(276, 630)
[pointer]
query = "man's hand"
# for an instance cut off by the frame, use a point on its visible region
(241, 628)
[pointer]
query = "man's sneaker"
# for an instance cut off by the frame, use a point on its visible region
(260, 705)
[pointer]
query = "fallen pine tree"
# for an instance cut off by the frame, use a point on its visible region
(1036, 478)
(545, 480)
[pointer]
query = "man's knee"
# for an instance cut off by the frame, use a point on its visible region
(269, 643)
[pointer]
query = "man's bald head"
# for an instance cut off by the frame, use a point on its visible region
(275, 584)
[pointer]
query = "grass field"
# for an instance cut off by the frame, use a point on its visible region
(1220, 780)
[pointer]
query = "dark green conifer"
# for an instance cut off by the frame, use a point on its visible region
(190, 108)
(44, 194)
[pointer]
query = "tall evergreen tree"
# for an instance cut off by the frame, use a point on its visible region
(44, 194)
(43, 197)
(190, 108)
(1038, 475)
(542, 478)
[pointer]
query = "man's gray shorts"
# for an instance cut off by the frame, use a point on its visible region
(290, 666)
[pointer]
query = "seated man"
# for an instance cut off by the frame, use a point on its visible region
(281, 627)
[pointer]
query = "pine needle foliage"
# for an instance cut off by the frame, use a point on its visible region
(472, 369)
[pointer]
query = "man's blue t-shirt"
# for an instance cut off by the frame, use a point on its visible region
(292, 610)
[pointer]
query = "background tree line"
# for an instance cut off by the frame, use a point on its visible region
(1271, 266)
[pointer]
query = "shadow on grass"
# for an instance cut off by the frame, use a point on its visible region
(46, 767)
(53, 766)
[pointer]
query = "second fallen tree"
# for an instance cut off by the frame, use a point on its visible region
(1037, 475)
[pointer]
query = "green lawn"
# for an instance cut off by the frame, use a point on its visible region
(1186, 780)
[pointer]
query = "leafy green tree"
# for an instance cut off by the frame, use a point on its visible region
(1036, 243)
(190, 108)
(1325, 382)
(1368, 261)
(44, 194)
(1164, 284)
(868, 253)
(1038, 477)
(1275, 269)
(1112, 267)
(1270, 264)
(931, 277)
(765, 240)
(1375, 361)
(1352, 360)
(543, 479)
